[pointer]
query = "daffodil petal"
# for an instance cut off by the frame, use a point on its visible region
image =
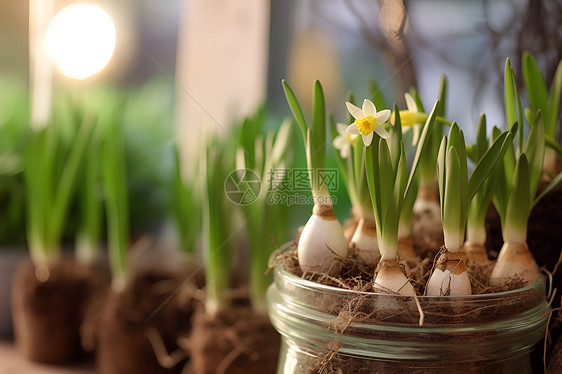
(382, 116)
(382, 132)
(345, 152)
(410, 102)
(354, 111)
(416, 136)
(340, 127)
(339, 142)
(367, 139)
(369, 108)
(352, 129)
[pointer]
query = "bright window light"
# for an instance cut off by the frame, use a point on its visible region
(80, 40)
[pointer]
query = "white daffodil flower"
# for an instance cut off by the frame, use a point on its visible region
(343, 141)
(367, 120)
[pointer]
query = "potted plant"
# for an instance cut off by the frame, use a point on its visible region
(231, 331)
(139, 304)
(353, 320)
(48, 292)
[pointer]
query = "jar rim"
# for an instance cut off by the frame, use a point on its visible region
(305, 283)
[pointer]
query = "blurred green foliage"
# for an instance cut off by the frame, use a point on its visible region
(146, 114)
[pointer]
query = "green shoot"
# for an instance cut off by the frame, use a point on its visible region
(185, 207)
(322, 242)
(116, 204)
(513, 109)
(427, 163)
(547, 102)
(455, 189)
(217, 232)
(413, 118)
(514, 216)
(314, 136)
(389, 183)
(89, 233)
(14, 118)
(267, 219)
(478, 207)
(50, 180)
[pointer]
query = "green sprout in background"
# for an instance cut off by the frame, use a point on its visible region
(218, 236)
(14, 120)
(186, 208)
(267, 218)
(51, 178)
(116, 204)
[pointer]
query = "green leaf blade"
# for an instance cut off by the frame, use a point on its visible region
(387, 178)
(554, 102)
(488, 163)
(509, 95)
(519, 204)
(536, 88)
(295, 108)
(373, 180)
(534, 151)
(442, 173)
(424, 145)
(453, 205)
(318, 127)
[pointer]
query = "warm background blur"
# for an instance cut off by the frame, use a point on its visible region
(343, 42)
(184, 67)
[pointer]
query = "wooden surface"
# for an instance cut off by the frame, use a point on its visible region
(12, 363)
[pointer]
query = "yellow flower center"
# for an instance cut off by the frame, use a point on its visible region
(351, 139)
(366, 125)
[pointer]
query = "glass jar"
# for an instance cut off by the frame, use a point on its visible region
(332, 330)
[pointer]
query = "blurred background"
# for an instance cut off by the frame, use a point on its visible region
(197, 65)
(182, 68)
(343, 42)
(174, 71)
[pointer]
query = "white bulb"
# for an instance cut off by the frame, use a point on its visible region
(321, 244)
(445, 282)
(364, 240)
(81, 40)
